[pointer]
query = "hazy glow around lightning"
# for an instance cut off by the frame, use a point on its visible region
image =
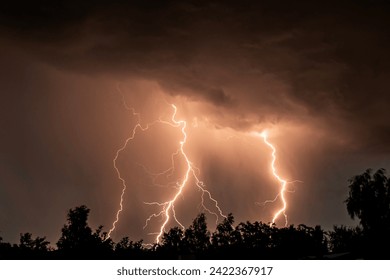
(170, 203)
(168, 206)
(168, 211)
(283, 182)
(138, 126)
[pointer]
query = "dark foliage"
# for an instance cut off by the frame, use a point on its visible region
(369, 200)
(79, 242)
(343, 239)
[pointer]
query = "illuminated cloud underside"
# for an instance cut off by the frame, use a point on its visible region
(316, 80)
(168, 211)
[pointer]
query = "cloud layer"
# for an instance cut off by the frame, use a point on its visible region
(316, 73)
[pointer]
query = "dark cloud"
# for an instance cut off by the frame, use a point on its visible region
(331, 57)
(320, 67)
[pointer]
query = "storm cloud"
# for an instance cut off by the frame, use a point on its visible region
(316, 72)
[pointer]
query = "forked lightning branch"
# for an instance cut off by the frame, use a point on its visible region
(167, 212)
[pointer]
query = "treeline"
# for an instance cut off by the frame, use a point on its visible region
(247, 240)
(369, 200)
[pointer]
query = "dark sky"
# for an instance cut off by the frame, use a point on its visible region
(315, 74)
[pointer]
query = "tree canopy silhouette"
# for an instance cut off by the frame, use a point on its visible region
(345, 239)
(78, 239)
(197, 236)
(369, 200)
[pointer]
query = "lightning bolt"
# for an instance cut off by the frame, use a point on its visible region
(283, 182)
(168, 207)
(138, 126)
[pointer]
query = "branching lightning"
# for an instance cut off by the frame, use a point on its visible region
(138, 126)
(189, 175)
(168, 207)
(283, 182)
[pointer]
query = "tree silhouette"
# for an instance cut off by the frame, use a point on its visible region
(78, 240)
(369, 200)
(197, 236)
(32, 248)
(127, 249)
(343, 239)
(256, 239)
(225, 234)
(6, 250)
(102, 245)
(172, 243)
(76, 234)
(39, 244)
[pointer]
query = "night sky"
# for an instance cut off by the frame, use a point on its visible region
(314, 74)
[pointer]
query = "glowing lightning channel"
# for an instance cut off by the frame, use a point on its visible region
(138, 126)
(168, 206)
(282, 181)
